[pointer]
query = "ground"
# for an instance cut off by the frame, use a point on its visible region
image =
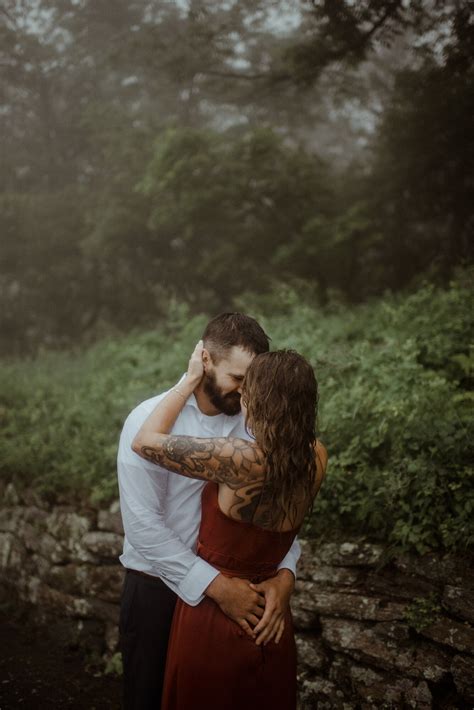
(38, 674)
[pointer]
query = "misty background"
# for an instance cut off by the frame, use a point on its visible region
(194, 151)
(309, 163)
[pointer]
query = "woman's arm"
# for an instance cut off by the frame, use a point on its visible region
(235, 462)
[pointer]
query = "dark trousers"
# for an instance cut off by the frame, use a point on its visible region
(146, 612)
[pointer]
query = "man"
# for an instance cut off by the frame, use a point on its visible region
(161, 516)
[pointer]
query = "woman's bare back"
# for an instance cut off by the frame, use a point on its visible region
(249, 503)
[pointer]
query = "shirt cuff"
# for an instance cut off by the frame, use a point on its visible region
(291, 558)
(191, 588)
(288, 565)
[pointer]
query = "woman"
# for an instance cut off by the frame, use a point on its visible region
(252, 508)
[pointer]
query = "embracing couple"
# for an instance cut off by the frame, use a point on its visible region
(216, 476)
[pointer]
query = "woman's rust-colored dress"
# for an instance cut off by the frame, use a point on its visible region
(211, 662)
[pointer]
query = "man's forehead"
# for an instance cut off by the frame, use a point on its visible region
(237, 360)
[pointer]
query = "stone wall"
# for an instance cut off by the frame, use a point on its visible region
(371, 632)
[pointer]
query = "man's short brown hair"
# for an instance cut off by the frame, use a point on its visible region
(229, 330)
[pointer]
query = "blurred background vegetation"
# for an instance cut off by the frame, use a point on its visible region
(308, 162)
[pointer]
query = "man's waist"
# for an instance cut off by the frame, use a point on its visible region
(151, 577)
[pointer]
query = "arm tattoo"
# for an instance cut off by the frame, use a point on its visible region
(235, 462)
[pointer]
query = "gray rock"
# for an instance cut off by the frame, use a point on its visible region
(459, 636)
(322, 694)
(312, 656)
(394, 630)
(103, 544)
(98, 609)
(111, 522)
(362, 643)
(69, 529)
(390, 582)
(36, 516)
(462, 669)
(36, 566)
(443, 569)
(12, 552)
(65, 522)
(101, 581)
(304, 620)
(11, 519)
(459, 601)
(312, 597)
(311, 568)
(10, 495)
(38, 593)
(350, 554)
(33, 499)
(62, 604)
(49, 547)
(380, 690)
(112, 637)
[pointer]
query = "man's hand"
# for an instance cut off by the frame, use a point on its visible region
(238, 601)
(277, 592)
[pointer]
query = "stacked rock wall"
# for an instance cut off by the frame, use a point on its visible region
(371, 632)
(379, 633)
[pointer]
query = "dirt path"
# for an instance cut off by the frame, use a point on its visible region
(36, 674)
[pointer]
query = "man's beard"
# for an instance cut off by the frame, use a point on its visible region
(226, 403)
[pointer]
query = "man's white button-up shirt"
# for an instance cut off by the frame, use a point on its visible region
(161, 511)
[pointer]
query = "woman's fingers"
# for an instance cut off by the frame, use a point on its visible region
(269, 616)
(280, 631)
(245, 626)
(268, 633)
(195, 365)
(274, 631)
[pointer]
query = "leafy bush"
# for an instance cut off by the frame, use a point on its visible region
(396, 409)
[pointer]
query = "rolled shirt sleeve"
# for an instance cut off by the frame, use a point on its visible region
(291, 558)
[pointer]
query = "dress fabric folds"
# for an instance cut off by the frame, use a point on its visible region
(212, 664)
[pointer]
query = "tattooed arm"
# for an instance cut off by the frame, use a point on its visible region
(235, 462)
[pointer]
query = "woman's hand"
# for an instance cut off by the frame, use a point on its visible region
(195, 366)
(277, 592)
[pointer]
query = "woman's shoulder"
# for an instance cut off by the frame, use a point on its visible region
(321, 455)
(321, 452)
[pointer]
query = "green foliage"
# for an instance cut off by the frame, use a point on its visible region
(229, 199)
(422, 611)
(396, 408)
(196, 164)
(422, 192)
(43, 281)
(114, 665)
(61, 415)
(396, 412)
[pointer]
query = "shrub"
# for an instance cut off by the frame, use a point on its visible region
(396, 409)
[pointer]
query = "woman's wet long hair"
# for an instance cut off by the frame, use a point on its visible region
(280, 392)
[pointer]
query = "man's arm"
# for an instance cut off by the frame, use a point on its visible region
(143, 498)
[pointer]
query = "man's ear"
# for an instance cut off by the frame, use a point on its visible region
(206, 358)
